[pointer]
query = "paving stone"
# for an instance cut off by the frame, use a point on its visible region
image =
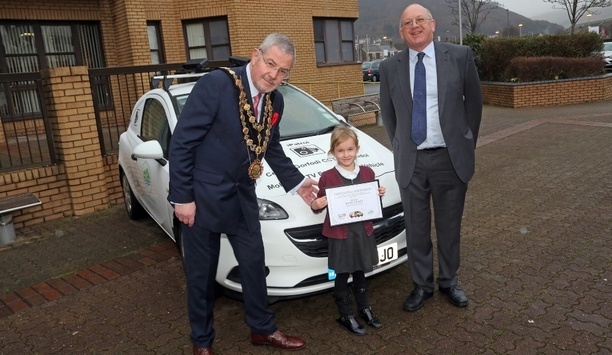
(535, 265)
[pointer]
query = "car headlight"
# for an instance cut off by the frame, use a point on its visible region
(269, 210)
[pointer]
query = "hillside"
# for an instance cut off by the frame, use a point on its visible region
(378, 18)
(560, 16)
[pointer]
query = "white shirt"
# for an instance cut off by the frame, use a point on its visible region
(254, 90)
(434, 131)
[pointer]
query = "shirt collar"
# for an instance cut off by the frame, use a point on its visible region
(351, 175)
(429, 52)
(252, 89)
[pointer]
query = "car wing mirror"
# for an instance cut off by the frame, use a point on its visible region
(149, 150)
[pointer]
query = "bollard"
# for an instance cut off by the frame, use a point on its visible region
(7, 229)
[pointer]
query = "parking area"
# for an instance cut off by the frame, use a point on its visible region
(536, 264)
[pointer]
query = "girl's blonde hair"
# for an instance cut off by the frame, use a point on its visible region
(342, 133)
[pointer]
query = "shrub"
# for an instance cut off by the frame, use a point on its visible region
(495, 54)
(526, 69)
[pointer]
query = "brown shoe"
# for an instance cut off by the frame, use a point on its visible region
(278, 339)
(202, 351)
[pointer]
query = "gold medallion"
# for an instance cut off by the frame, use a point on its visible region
(255, 169)
(256, 135)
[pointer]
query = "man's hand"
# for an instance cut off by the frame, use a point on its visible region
(186, 213)
(308, 190)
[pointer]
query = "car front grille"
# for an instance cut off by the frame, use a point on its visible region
(311, 242)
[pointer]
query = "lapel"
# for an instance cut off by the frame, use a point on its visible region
(404, 74)
(247, 87)
(442, 70)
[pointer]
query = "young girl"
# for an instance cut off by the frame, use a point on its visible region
(352, 247)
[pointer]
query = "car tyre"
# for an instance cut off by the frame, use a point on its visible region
(374, 78)
(133, 208)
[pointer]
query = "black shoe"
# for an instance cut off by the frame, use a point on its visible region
(416, 299)
(351, 324)
(370, 318)
(456, 296)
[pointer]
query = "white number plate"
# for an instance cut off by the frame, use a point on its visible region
(386, 254)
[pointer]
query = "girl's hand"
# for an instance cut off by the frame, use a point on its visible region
(381, 191)
(319, 203)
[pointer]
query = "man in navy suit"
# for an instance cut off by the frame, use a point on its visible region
(228, 125)
(434, 160)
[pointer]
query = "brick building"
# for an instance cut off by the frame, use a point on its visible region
(64, 39)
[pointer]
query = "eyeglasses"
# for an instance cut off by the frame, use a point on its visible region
(284, 72)
(418, 21)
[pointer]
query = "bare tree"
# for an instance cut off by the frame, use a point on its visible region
(473, 12)
(575, 9)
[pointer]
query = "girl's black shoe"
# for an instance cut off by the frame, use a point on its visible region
(352, 325)
(370, 318)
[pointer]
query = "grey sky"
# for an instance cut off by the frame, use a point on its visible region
(528, 8)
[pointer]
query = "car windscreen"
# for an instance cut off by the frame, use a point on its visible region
(302, 117)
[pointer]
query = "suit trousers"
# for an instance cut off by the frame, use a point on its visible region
(434, 179)
(200, 258)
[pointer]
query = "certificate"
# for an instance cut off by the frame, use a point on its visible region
(353, 203)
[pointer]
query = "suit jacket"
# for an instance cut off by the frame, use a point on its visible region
(332, 178)
(209, 158)
(459, 107)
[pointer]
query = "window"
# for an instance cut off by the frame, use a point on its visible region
(31, 47)
(155, 124)
(334, 40)
(207, 38)
(155, 43)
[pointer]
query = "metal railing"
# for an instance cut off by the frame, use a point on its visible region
(115, 92)
(25, 132)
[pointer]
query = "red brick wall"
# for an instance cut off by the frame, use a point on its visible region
(84, 181)
(548, 93)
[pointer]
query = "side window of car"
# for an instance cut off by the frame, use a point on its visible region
(155, 124)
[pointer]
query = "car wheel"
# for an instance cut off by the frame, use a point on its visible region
(132, 206)
(374, 78)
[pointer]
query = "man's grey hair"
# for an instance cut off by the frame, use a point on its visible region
(284, 43)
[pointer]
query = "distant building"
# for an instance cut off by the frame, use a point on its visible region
(371, 51)
(603, 27)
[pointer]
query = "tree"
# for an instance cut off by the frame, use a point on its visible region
(473, 12)
(575, 9)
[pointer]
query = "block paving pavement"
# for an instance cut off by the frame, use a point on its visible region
(536, 264)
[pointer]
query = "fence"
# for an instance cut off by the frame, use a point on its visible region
(63, 130)
(25, 132)
(115, 92)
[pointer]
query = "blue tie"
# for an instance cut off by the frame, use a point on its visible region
(419, 103)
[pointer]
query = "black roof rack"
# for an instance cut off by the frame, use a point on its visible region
(194, 69)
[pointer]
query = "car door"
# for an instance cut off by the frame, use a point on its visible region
(155, 173)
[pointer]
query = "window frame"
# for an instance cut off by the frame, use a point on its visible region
(161, 55)
(209, 46)
(41, 57)
(322, 28)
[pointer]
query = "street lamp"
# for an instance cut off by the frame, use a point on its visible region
(508, 21)
(520, 30)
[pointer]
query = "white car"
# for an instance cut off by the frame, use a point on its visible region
(296, 252)
(606, 53)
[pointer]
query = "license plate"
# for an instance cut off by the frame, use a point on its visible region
(387, 253)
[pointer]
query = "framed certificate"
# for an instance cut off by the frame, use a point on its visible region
(353, 203)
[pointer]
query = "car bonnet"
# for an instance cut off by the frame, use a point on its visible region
(309, 155)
